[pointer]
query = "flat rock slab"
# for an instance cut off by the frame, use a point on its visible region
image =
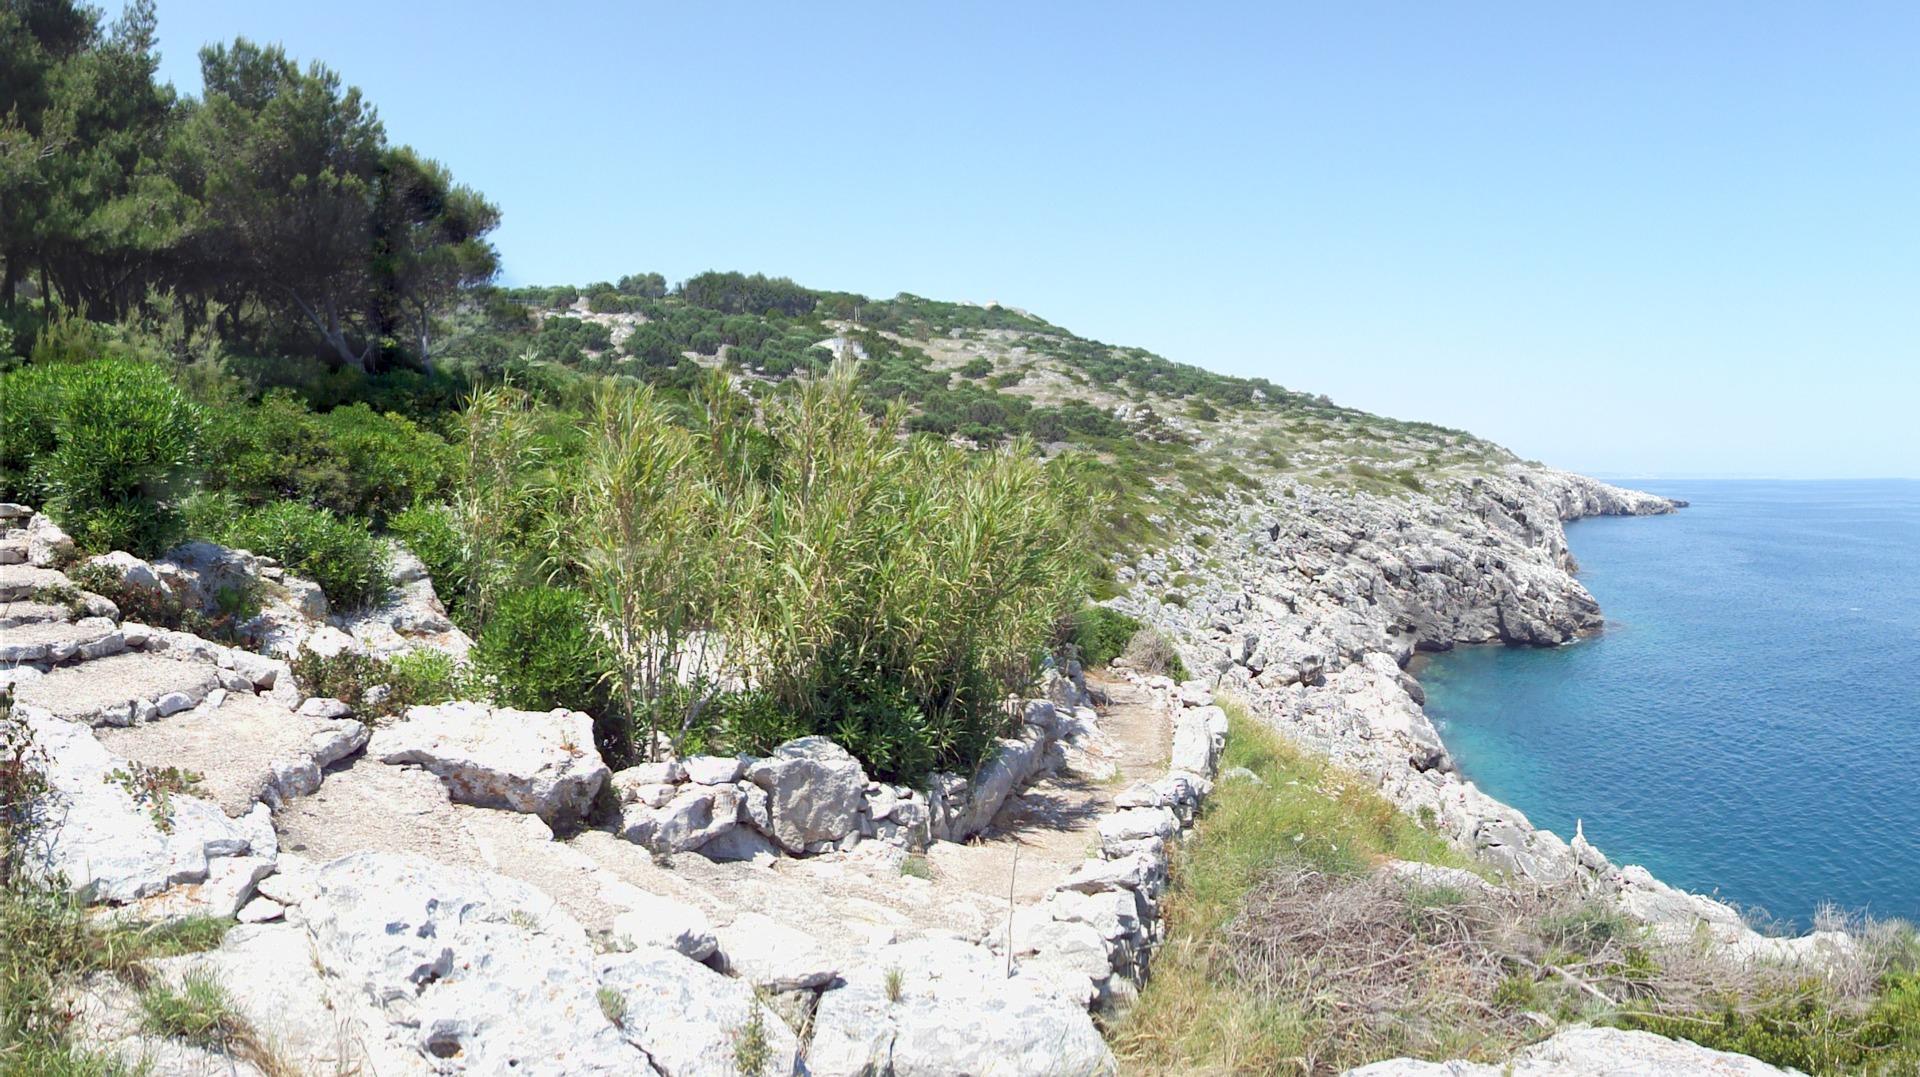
(843, 903)
(468, 969)
(114, 847)
(57, 641)
(541, 763)
(1590, 1052)
(957, 1012)
(687, 1017)
(102, 692)
(773, 956)
(21, 581)
(246, 749)
(26, 611)
(368, 805)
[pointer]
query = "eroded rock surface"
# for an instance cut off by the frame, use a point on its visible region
(542, 763)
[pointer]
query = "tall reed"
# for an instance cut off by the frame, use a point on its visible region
(885, 591)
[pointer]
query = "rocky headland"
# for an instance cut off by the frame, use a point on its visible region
(1309, 603)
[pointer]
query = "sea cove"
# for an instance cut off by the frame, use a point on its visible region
(1748, 725)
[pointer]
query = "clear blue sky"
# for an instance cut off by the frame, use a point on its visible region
(1632, 239)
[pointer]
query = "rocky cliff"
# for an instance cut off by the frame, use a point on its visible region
(1309, 603)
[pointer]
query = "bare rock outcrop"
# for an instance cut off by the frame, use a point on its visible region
(542, 763)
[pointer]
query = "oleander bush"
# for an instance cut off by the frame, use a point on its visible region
(1100, 634)
(108, 445)
(351, 460)
(541, 649)
(339, 553)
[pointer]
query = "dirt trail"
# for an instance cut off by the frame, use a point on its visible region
(1050, 827)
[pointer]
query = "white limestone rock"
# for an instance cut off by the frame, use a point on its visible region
(773, 956)
(653, 920)
(958, 1013)
(816, 791)
(108, 846)
(694, 816)
(714, 769)
(686, 1017)
(1590, 1052)
(47, 544)
(541, 763)
(465, 965)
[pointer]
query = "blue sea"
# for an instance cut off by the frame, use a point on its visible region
(1748, 725)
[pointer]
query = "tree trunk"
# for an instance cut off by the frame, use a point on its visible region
(426, 339)
(329, 329)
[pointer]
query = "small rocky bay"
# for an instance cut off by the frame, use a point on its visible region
(1748, 724)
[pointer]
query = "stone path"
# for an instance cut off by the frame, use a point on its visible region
(321, 840)
(1050, 829)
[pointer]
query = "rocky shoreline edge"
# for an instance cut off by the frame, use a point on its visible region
(1309, 604)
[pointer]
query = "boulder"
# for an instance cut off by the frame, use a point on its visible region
(542, 763)
(694, 816)
(47, 544)
(132, 572)
(772, 956)
(1138, 872)
(815, 790)
(714, 769)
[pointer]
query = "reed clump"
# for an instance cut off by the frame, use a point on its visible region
(763, 569)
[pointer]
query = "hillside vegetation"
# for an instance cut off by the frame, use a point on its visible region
(716, 515)
(249, 317)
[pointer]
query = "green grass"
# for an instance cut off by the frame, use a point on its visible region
(47, 942)
(1210, 1008)
(613, 1006)
(1189, 1018)
(198, 1012)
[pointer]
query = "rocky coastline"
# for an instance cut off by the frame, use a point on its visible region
(1311, 603)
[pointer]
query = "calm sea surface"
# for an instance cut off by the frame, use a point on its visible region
(1749, 723)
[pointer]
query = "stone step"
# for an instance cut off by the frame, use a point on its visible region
(56, 641)
(26, 611)
(21, 581)
(118, 689)
(245, 749)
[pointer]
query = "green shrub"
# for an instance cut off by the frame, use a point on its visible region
(341, 555)
(540, 650)
(109, 444)
(417, 678)
(1100, 634)
(752, 722)
(29, 404)
(352, 460)
(888, 593)
(421, 677)
(69, 338)
(1806, 1026)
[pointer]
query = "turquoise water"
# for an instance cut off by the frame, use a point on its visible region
(1749, 723)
